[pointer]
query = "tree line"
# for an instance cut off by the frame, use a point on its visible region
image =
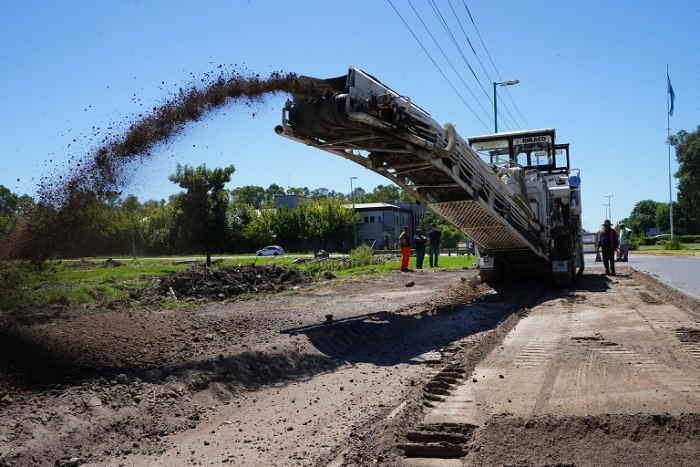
(203, 218)
(207, 218)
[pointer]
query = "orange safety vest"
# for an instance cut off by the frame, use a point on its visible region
(611, 236)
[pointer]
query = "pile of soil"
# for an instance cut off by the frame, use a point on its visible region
(616, 439)
(217, 284)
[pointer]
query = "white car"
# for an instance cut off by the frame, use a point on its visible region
(272, 250)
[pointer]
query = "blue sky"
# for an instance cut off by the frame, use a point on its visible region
(595, 71)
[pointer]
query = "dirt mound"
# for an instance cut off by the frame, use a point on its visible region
(218, 284)
(616, 439)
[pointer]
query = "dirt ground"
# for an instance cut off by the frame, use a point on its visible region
(333, 373)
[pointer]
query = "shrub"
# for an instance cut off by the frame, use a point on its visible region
(673, 244)
(648, 241)
(363, 255)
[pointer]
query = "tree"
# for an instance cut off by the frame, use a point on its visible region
(688, 156)
(12, 206)
(252, 195)
(407, 197)
(334, 222)
(259, 230)
(450, 235)
(384, 193)
(326, 222)
(160, 227)
(238, 218)
(643, 216)
(131, 205)
(272, 191)
(298, 191)
(682, 223)
(336, 195)
(319, 194)
(380, 194)
(204, 205)
(290, 227)
(359, 194)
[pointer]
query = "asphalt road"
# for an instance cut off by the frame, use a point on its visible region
(680, 272)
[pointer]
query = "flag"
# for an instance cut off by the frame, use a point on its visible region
(671, 94)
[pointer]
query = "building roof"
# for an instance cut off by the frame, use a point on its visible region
(374, 206)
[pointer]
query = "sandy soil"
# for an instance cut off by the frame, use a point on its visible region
(336, 373)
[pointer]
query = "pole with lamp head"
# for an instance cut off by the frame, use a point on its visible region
(354, 220)
(510, 82)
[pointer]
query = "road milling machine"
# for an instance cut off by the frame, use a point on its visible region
(514, 194)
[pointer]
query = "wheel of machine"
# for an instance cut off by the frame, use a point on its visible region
(493, 275)
(486, 275)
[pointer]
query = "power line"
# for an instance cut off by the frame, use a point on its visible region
(443, 21)
(468, 41)
(496, 96)
(446, 27)
(436, 65)
(446, 58)
(448, 31)
(491, 60)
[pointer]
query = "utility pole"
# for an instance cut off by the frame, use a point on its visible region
(670, 192)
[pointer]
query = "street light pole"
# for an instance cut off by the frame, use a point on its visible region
(510, 82)
(610, 206)
(354, 220)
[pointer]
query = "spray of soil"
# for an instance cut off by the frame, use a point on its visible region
(65, 200)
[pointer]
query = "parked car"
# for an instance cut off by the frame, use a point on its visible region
(271, 250)
(662, 236)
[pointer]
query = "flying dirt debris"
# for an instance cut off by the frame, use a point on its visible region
(65, 197)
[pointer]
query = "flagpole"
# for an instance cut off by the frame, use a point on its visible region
(668, 139)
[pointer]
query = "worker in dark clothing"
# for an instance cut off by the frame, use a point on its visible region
(608, 243)
(419, 241)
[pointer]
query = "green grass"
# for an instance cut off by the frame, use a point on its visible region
(446, 262)
(686, 249)
(23, 284)
(69, 280)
